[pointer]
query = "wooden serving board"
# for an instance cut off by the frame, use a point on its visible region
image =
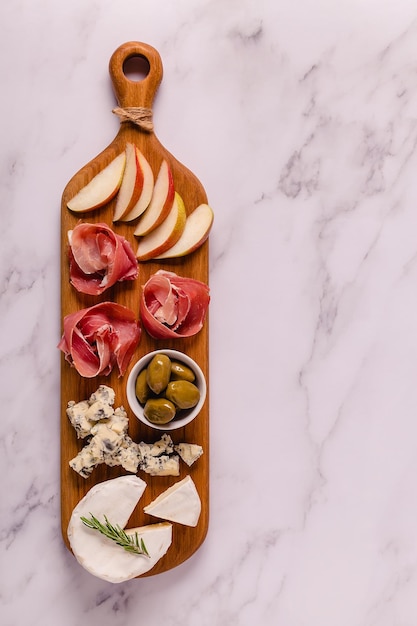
(186, 540)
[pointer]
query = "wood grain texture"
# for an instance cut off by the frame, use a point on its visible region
(73, 387)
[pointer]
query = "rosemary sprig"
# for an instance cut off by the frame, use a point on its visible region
(130, 543)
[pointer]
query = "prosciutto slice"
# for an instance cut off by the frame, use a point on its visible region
(97, 338)
(172, 306)
(99, 258)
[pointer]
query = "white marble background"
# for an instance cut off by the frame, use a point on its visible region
(300, 119)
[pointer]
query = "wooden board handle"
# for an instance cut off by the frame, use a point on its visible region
(131, 93)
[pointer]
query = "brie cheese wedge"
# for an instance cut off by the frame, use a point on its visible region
(115, 499)
(179, 503)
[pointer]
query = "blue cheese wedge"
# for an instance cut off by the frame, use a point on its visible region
(76, 412)
(162, 465)
(103, 394)
(115, 499)
(179, 503)
(119, 421)
(158, 459)
(99, 411)
(127, 455)
(189, 452)
(85, 461)
(165, 445)
(83, 415)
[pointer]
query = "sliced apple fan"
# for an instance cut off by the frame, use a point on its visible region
(163, 228)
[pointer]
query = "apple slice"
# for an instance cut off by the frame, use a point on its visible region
(145, 175)
(161, 202)
(166, 234)
(195, 233)
(131, 186)
(101, 189)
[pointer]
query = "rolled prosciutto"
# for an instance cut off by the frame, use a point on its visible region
(99, 337)
(172, 306)
(99, 258)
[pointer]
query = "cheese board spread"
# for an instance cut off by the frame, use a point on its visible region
(135, 224)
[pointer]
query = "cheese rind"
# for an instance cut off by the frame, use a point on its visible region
(179, 503)
(102, 557)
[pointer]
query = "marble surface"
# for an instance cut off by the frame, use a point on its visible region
(300, 119)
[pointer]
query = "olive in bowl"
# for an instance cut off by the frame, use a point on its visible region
(166, 389)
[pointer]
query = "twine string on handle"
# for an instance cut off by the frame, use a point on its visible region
(140, 116)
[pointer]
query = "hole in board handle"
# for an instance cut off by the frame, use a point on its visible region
(136, 68)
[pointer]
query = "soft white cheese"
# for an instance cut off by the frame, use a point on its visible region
(102, 557)
(179, 503)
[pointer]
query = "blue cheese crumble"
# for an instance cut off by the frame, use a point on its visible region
(107, 441)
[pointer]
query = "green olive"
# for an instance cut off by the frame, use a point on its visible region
(159, 410)
(179, 371)
(183, 394)
(158, 372)
(142, 389)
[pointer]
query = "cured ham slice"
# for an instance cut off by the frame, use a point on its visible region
(172, 306)
(97, 338)
(99, 258)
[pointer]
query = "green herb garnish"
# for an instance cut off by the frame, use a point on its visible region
(130, 543)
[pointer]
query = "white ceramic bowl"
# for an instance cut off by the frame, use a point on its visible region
(189, 415)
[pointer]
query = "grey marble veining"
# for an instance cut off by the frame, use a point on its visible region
(300, 119)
